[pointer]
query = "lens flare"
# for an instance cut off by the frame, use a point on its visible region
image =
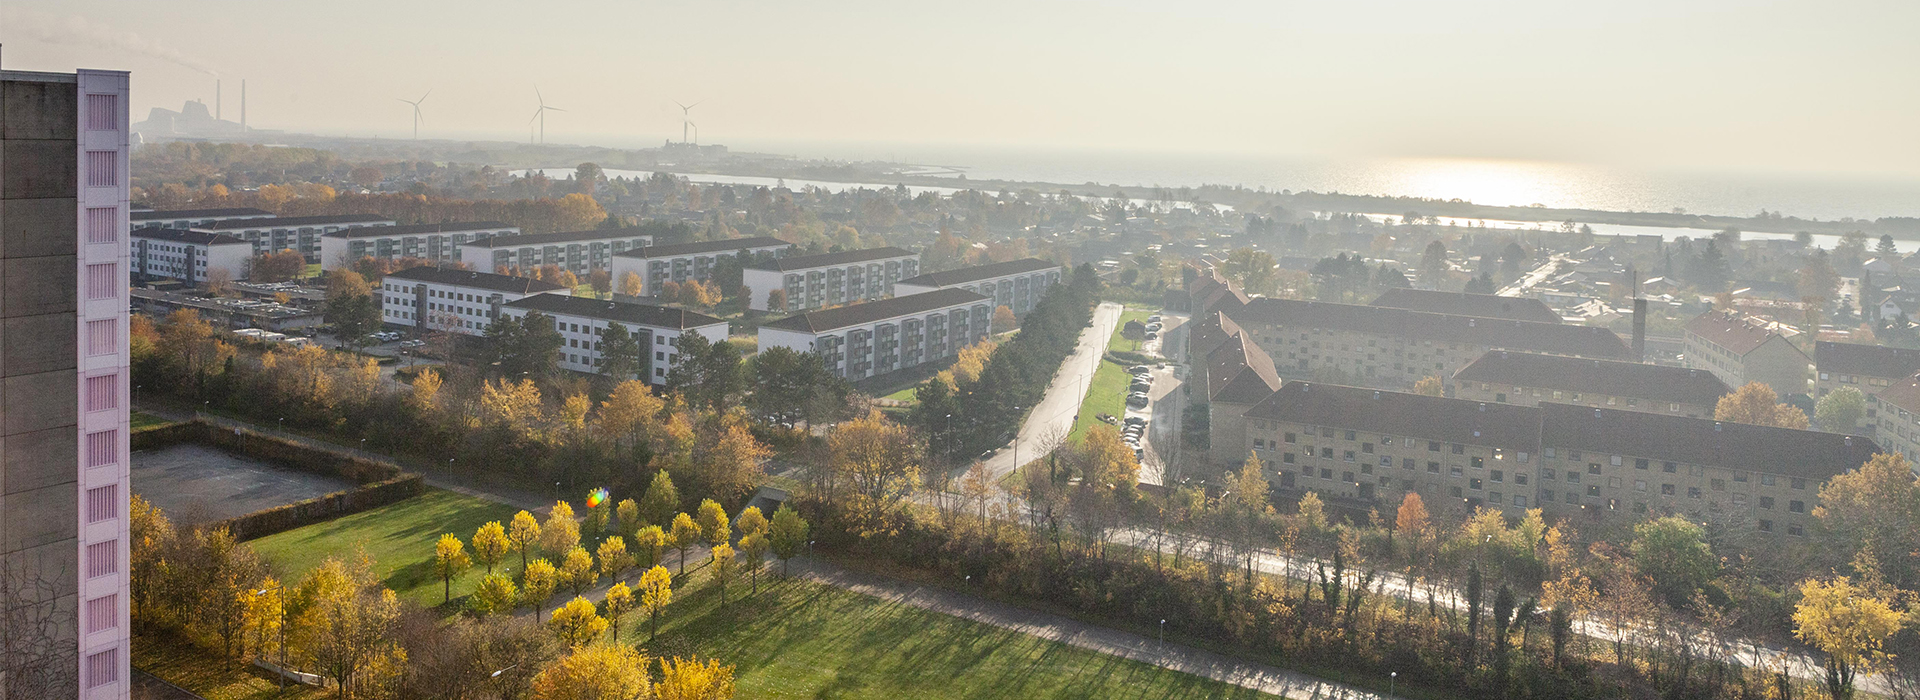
(597, 497)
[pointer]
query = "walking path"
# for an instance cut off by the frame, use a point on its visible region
(1052, 418)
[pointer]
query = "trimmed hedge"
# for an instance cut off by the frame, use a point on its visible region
(380, 483)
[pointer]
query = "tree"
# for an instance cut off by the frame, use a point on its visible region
(1876, 508)
(1817, 276)
(1433, 264)
(621, 356)
(1003, 320)
(661, 501)
(683, 536)
(732, 466)
(1840, 410)
(614, 559)
(1672, 551)
(1105, 461)
(787, 535)
(351, 307)
(689, 679)
(577, 570)
(496, 594)
(647, 544)
(449, 560)
(725, 568)
(525, 532)
(537, 584)
(577, 623)
(490, 544)
(595, 673)
(619, 601)
(790, 386)
(627, 512)
(366, 176)
(561, 533)
(777, 301)
(1313, 514)
(524, 347)
(347, 627)
(656, 591)
(1411, 522)
(713, 523)
(1429, 386)
(276, 267)
(879, 457)
(1849, 624)
(1754, 404)
(754, 546)
(631, 284)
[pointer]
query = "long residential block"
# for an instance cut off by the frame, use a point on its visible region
(578, 252)
(830, 279)
(1526, 379)
(299, 233)
(583, 324)
(438, 242)
(1015, 284)
(1740, 349)
(190, 218)
(642, 272)
(433, 299)
(190, 256)
(871, 339)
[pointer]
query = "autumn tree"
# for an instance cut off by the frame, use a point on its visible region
(631, 284)
(787, 535)
(618, 602)
(656, 592)
(690, 679)
(1672, 551)
(449, 560)
(537, 584)
(1411, 522)
(577, 623)
(1847, 623)
(661, 500)
(713, 523)
(613, 556)
(1840, 410)
(276, 267)
(726, 567)
(1003, 320)
(734, 463)
(561, 533)
(1876, 509)
(1755, 404)
(682, 537)
(524, 535)
(1429, 386)
(577, 571)
(351, 307)
(878, 457)
(495, 594)
(647, 545)
(777, 301)
(347, 627)
(602, 672)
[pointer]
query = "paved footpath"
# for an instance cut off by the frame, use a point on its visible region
(1052, 419)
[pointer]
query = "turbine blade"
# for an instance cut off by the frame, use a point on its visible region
(423, 98)
(556, 109)
(537, 95)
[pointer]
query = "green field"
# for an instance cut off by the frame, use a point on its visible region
(1122, 344)
(399, 537)
(906, 394)
(148, 420)
(805, 640)
(1106, 394)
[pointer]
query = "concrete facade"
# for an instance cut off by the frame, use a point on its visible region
(582, 322)
(438, 242)
(190, 256)
(63, 353)
(1740, 349)
(875, 338)
(301, 233)
(189, 218)
(456, 301)
(642, 272)
(1015, 284)
(831, 279)
(578, 252)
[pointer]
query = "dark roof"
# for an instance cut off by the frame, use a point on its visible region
(197, 213)
(186, 236)
(981, 272)
(1801, 453)
(1239, 372)
(514, 241)
(1609, 377)
(856, 314)
(1870, 360)
(1463, 304)
(285, 221)
(478, 280)
(383, 231)
(1551, 338)
(802, 262)
(676, 249)
(622, 312)
(1738, 333)
(1395, 413)
(1209, 332)
(1904, 393)
(1212, 291)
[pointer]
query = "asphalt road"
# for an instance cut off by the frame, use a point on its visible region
(1051, 420)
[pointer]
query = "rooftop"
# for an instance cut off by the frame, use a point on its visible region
(1870, 360)
(1551, 338)
(1239, 372)
(618, 311)
(1395, 413)
(802, 262)
(1737, 332)
(533, 239)
(291, 221)
(1463, 304)
(856, 314)
(699, 247)
(198, 213)
(1607, 377)
(1904, 393)
(976, 273)
(185, 236)
(476, 280)
(1800, 453)
(412, 229)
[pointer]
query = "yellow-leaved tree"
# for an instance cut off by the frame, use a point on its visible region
(602, 672)
(619, 601)
(537, 584)
(613, 556)
(683, 536)
(656, 591)
(725, 568)
(525, 533)
(495, 594)
(577, 623)
(1756, 404)
(1847, 623)
(449, 561)
(691, 679)
(560, 533)
(490, 544)
(577, 570)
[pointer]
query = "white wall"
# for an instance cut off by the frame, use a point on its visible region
(761, 282)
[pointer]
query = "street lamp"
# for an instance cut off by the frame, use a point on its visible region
(1392, 676)
(282, 671)
(496, 674)
(810, 564)
(1163, 633)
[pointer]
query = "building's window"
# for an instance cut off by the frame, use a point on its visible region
(1719, 484)
(103, 613)
(1739, 499)
(1474, 484)
(1794, 530)
(103, 168)
(1433, 467)
(1766, 503)
(1326, 474)
(1289, 437)
(1796, 506)
(1593, 468)
(1546, 495)
(102, 223)
(1669, 467)
(1639, 507)
(1799, 484)
(1287, 458)
(103, 503)
(1479, 463)
(104, 281)
(1366, 448)
(1455, 471)
(103, 668)
(103, 448)
(1346, 455)
(1640, 484)
(103, 558)
(1459, 449)
(1766, 479)
(1406, 463)
(1766, 526)
(1666, 489)
(1693, 492)
(1433, 446)
(1497, 476)
(1573, 477)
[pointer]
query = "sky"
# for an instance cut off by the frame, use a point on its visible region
(1828, 86)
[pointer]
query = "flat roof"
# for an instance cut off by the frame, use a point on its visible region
(856, 314)
(522, 239)
(1608, 377)
(187, 236)
(1553, 338)
(618, 311)
(976, 273)
(1464, 304)
(695, 248)
(151, 215)
(477, 280)
(410, 229)
(283, 221)
(802, 262)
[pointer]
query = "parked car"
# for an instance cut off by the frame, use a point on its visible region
(1136, 420)
(1151, 335)
(1137, 369)
(1154, 326)
(1154, 318)
(1137, 401)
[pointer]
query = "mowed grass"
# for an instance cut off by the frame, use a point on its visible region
(1120, 343)
(176, 661)
(400, 539)
(148, 420)
(1107, 393)
(805, 640)
(906, 394)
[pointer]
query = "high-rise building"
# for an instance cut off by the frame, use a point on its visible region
(63, 379)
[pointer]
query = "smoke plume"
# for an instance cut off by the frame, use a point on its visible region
(74, 30)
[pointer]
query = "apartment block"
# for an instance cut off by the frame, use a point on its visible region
(1369, 448)
(300, 233)
(429, 299)
(1015, 284)
(871, 339)
(1526, 379)
(190, 256)
(578, 252)
(1393, 348)
(830, 279)
(656, 265)
(1463, 304)
(1896, 418)
(437, 242)
(583, 322)
(64, 374)
(189, 218)
(1739, 349)
(1239, 376)
(1869, 368)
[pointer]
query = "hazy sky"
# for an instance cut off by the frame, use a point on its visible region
(1829, 86)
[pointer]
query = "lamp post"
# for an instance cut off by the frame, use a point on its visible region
(282, 670)
(1163, 633)
(1392, 676)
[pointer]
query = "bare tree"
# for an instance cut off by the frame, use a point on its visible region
(38, 657)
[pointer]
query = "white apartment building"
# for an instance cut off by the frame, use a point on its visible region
(301, 233)
(458, 301)
(678, 262)
(190, 218)
(830, 279)
(188, 255)
(578, 252)
(440, 242)
(1015, 284)
(866, 340)
(582, 323)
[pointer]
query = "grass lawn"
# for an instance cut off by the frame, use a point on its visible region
(399, 537)
(805, 640)
(906, 394)
(175, 661)
(1106, 394)
(148, 420)
(1129, 314)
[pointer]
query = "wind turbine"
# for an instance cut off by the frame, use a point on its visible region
(685, 111)
(416, 112)
(540, 115)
